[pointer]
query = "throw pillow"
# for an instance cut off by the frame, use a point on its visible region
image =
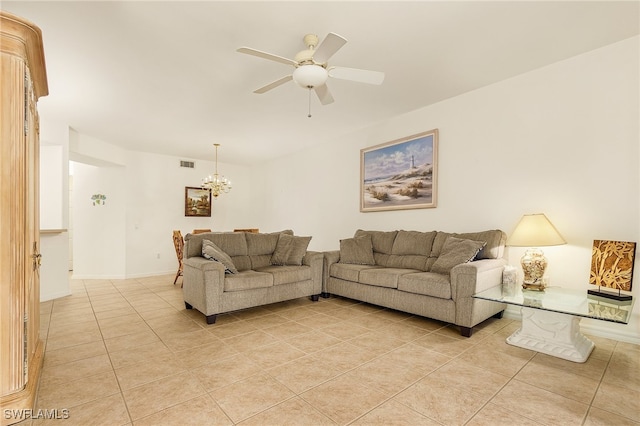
(454, 252)
(357, 250)
(213, 252)
(290, 250)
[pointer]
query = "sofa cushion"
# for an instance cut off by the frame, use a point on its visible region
(454, 252)
(413, 243)
(357, 250)
(407, 261)
(348, 271)
(260, 247)
(263, 243)
(427, 283)
(494, 249)
(232, 243)
(410, 250)
(290, 250)
(382, 241)
(287, 274)
(383, 277)
(213, 252)
(495, 239)
(247, 280)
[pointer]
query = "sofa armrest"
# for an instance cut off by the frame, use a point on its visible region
(470, 278)
(330, 257)
(311, 258)
(314, 259)
(203, 284)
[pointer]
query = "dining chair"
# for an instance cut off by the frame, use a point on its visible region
(201, 231)
(178, 243)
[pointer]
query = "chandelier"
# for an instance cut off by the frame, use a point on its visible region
(216, 183)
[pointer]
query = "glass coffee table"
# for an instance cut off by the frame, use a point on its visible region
(551, 318)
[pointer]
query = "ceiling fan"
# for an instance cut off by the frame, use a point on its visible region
(311, 67)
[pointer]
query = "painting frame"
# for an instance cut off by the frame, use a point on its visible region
(197, 201)
(400, 174)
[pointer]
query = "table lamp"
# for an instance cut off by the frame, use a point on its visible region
(534, 230)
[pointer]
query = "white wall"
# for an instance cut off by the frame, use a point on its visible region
(562, 140)
(54, 201)
(51, 186)
(155, 188)
(131, 235)
(99, 237)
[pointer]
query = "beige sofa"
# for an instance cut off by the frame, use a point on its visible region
(267, 268)
(432, 274)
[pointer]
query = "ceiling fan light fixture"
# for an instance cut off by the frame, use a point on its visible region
(309, 76)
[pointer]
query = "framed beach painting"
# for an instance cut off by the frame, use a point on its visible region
(197, 201)
(401, 174)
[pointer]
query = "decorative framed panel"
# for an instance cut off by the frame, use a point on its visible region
(612, 264)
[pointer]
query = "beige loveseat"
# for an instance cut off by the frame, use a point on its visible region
(260, 269)
(432, 274)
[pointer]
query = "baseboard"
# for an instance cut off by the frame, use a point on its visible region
(619, 332)
(121, 277)
(51, 296)
(152, 274)
(97, 277)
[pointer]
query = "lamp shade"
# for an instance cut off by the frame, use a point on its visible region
(535, 230)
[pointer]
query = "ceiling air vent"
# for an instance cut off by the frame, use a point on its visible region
(187, 164)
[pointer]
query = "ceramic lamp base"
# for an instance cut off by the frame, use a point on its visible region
(533, 265)
(538, 287)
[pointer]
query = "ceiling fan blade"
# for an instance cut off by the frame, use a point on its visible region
(354, 74)
(323, 94)
(273, 85)
(329, 46)
(265, 55)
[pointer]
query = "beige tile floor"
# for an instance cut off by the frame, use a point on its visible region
(126, 352)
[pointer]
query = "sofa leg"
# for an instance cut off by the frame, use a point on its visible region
(211, 319)
(499, 315)
(325, 295)
(315, 297)
(188, 306)
(465, 331)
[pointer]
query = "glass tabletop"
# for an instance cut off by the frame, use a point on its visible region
(565, 301)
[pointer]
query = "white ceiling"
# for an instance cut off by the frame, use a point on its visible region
(165, 77)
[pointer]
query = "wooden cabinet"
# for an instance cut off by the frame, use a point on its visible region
(23, 80)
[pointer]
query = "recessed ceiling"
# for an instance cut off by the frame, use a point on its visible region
(165, 77)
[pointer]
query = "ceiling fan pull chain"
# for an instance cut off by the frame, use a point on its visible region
(309, 103)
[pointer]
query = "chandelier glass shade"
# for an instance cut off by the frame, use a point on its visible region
(310, 76)
(216, 183)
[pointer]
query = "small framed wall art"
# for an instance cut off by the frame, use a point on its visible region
(197, 201)
(401, 174)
